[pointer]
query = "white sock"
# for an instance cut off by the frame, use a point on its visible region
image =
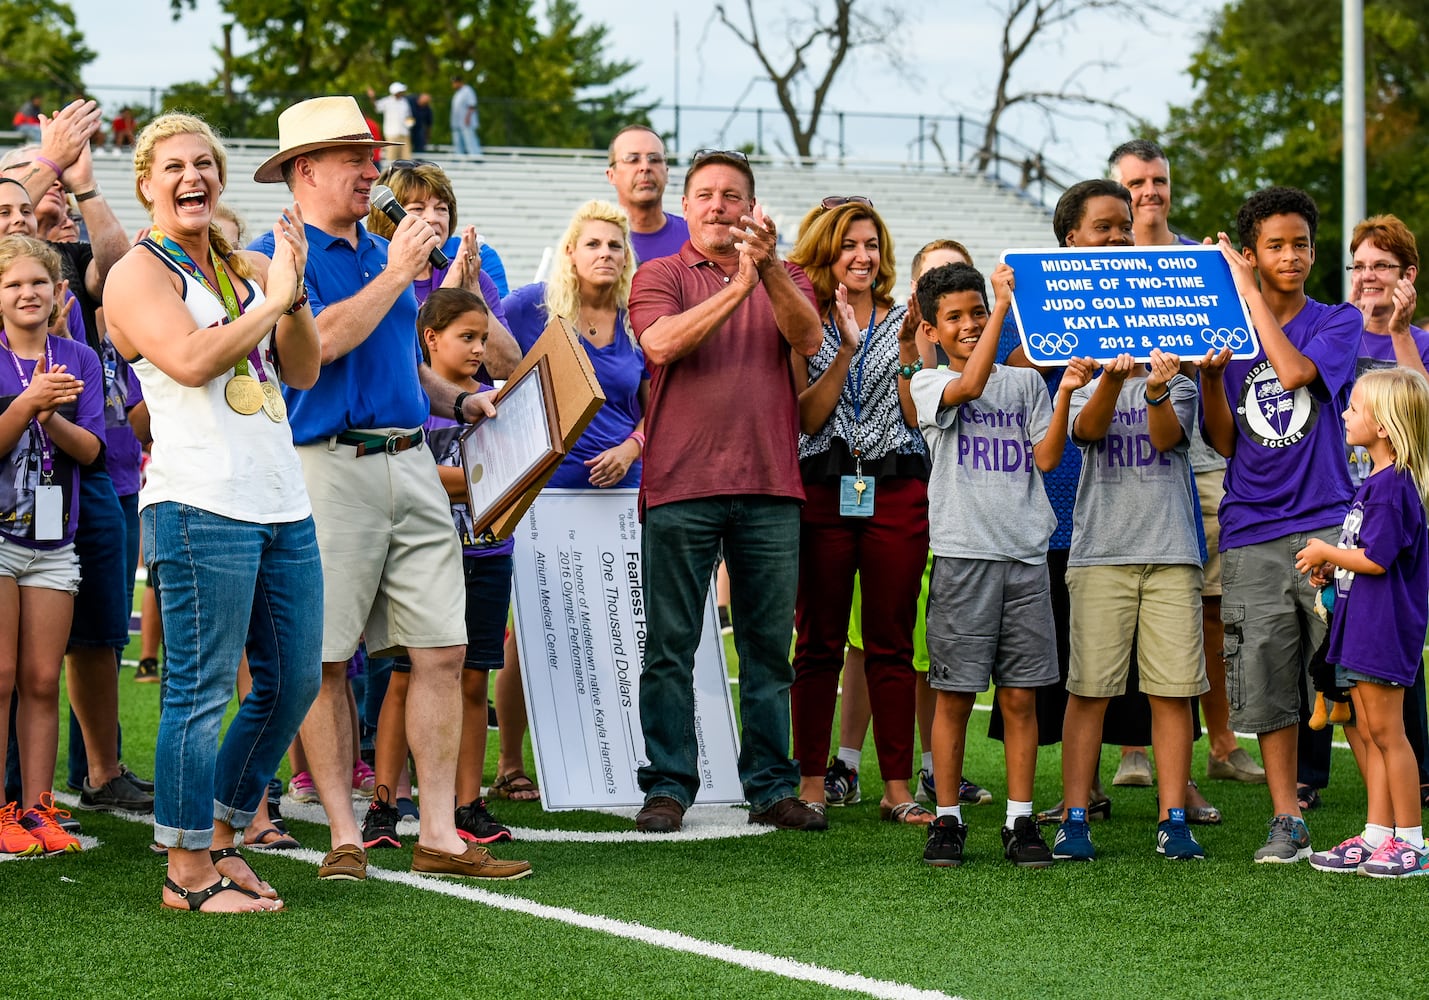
(1016, 809)
(928, 761)
(1374, 834)
(851, 756)
(1411, 835)
(954, 811)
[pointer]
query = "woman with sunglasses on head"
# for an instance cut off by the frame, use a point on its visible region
(865, 470)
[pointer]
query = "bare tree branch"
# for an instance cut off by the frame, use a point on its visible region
(1027, 23)
(838, 33)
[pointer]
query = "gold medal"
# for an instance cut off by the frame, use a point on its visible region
(243, 394)
(273, 403)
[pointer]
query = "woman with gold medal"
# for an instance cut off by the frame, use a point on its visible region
(230, 547)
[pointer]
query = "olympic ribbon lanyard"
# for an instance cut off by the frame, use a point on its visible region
(49, 498)
(243, 393)
(854, 489)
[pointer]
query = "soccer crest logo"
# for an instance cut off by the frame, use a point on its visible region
(1272, 416)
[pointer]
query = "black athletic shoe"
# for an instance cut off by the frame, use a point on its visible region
(1023, 844)
(379, 826)
(946, 837)
(475, 824)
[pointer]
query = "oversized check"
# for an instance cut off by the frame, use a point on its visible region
(1103, 301)
(580, 606)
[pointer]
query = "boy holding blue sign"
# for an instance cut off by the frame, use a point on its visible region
(1134, 573)
(992, 432)
(1275, 417)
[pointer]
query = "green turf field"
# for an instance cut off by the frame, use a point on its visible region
(778, 914)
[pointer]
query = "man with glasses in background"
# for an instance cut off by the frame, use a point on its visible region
(639, 172)
(717, 322)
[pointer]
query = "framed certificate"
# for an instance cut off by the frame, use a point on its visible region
(503, 456)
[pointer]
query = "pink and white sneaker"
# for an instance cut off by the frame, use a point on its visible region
(1346, 857)
(1395, 858)
(364, 780)
(301, 788)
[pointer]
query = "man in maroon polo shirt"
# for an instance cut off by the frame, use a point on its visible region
(717, 322)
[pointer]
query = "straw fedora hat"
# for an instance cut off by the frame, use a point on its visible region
(316, 124)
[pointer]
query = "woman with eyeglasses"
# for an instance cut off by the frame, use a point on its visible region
(865, 469)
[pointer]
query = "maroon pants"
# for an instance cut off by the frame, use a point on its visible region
(889, 552)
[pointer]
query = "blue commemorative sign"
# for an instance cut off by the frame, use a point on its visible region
(1103, 301)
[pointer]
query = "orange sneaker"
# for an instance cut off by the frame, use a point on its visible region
(42, 822)
(14, 838)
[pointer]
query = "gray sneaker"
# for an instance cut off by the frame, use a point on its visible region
(1287, 843)
(116, 793)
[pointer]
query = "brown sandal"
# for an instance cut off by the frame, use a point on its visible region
(515, 787)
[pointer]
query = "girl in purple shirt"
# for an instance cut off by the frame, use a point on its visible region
(1381, 574)
(49, 426)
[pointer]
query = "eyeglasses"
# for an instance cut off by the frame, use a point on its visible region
(701, 155)
(835, 200)
(630, 159)
(1380, 267)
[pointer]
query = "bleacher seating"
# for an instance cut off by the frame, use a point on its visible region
(521, 200)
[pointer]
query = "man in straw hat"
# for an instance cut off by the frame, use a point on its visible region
(392, 569)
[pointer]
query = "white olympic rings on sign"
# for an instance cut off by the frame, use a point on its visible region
(1053, 343)
(1234, 339)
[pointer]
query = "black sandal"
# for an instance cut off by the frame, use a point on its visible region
(195, 898)
(233, 852)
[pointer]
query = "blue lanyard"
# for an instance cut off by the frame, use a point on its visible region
(47, 454)
(858, 380)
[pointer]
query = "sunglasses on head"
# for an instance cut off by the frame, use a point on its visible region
(410, 164)
(835, 200)
(701, 155)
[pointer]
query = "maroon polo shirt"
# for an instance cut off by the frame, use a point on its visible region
(724, 418)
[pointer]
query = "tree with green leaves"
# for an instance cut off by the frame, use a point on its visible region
(537, 88)
(43, 55)
(1268, 111)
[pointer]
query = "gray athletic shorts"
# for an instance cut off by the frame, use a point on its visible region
(990, 622)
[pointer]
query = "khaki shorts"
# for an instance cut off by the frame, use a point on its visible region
(391, 558)
(1210, 486)
(1159, 606)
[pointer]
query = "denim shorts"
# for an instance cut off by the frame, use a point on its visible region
(101, 617)
(1349, 678)
(488, 604)
(46, 569)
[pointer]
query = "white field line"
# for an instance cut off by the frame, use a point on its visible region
(776, 965)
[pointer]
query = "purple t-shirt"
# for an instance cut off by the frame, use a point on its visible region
(1379, 620)
(22, 469)
(489, 293)
(619, 368)
(444, 438)
(663, 242)
(1377, 351)
(1288, 472)
(123, 454)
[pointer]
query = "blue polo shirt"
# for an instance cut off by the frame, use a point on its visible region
(374, 385)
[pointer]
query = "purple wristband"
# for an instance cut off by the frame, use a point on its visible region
(49, 163)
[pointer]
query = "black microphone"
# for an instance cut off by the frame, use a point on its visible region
(386, 202)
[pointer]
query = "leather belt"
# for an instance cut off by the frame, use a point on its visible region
(374, 444)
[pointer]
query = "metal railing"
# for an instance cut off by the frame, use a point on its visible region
(903, 140)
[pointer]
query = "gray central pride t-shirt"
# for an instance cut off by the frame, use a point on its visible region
(985, 495)
(1136, 505)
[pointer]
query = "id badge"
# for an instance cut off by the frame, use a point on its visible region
(49, 513)
(856, 496)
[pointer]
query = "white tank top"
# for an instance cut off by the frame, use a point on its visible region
(206, 454)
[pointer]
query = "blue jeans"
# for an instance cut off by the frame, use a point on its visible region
(680, 544)
(222, 583)
(465, 140)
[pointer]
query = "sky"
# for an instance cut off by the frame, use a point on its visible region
(948, 50)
